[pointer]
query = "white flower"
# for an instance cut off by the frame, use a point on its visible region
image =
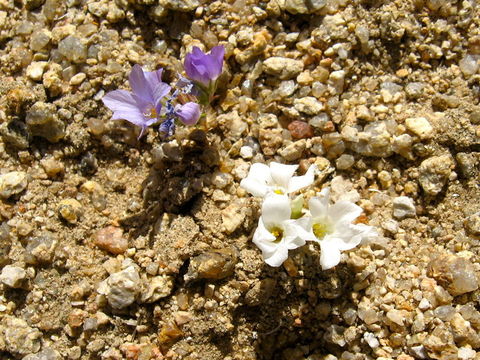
(278, 178)
(331, 226)
(277, 232)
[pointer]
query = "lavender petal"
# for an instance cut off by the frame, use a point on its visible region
(188, 113)
(139, 84)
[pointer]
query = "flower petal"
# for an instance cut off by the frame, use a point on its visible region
(281, 174)
(298, 229)
(278, 257)
(217, 53)
(318, 205)
(120, 100)
(188, 113)
(139, 84)
(344, 211)
(134, 116)
(153, 78)
(330, 255)
(257, 180)
(264, 239)
(299, 182)
(275, 210)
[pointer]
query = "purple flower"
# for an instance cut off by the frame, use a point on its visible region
(188, 113)
(142, 106)
(167, 127)
(203, 68)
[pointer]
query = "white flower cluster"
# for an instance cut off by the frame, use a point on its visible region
(286, 225)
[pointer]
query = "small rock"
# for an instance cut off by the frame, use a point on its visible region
(443, 102)
(111, 239)
(40, 249)
(70, 210)
(434, 173)
(169, 333)
(19, 338)
(472, 224)
(396, 316)
(454, 273)
(121, 288)
(420, 127)
(270, 140)
(5, 244)
(308, 105)
(337, 81)
(300, 130)
(157, 287)
(33, 4)
(233, 216)
(334, 334)
(182, 317)
(466, 353)
(345, 161)
(77, 79)
(40, 39)
(463, 332)
(180, 5)
(35, 70)
(284, 68)
(52, 167)
(293, 151)
(12, 183)
(215, 265)
(13, 276)
(246, 152)
(467, 164)
(371, 340)
(45, 354)
(403, 207)
(42, 121)
(73, 49)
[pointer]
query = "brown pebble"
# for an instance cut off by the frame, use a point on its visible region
(169, 333)
(76, 318)
(300, 130)
(215, 264)
(111, 239)
(290, 267)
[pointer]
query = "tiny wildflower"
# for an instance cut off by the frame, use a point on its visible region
(277, 178)
(143, 105)
(204, 70)
(277, 232)
(188, 113)
(332, 227)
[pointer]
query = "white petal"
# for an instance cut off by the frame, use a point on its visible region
(299, 182)
(330, 255)
(318, 205)
(344, 211)
(275, 210)
(296, 230)
(278, 257)
(263, 238)
(346, 236)
(281, 173)
(258, 180)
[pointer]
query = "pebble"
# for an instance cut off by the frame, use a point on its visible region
(434, 173)
(13, 183)
(40, 249)
(40, 39)
(420, 126)
(215, 265)
(77, 79)
(233, 216)
(45, 354)
(371, 340)
(33, 4)
(180, 5)
(35, 70)
(13, 276)
(472, 224)
(111, 239)
(300, 130)
(396, 316)
(403, 207)
(345, 161)
(337, 81)
(293, 151)
(5, 243)
(42, 121)
(469, 65)
(157, 288)
(283, 68)
(466, 164)
(19, 338)
(73, 49)
(456, 274)
(53, 168)
(246, 152)
(70, 210)
(466, 353)
(308, 105)
(121, 288)
(169, 333)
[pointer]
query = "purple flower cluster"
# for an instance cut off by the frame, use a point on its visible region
(150, 101)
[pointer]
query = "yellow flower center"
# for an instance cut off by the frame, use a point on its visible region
(320, 230)
(278, 191)
(278, 233)
(151, 113)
